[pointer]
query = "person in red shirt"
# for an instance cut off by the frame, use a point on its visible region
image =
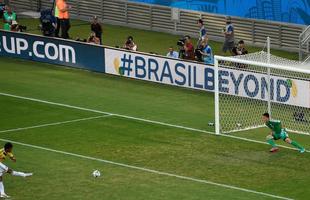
(189, 49)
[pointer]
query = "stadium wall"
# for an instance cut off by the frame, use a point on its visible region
(148, 67)
(159, 18)
(291, 11)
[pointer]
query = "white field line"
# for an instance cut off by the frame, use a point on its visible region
(149, 170)
(53, 124)
(138, 119)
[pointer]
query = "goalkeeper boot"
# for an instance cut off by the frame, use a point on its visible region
(303, 150)
(274, 149)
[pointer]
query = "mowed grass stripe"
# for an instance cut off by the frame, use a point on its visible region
(58, 176)
(148, 170)
(53, 124)
(138, 119)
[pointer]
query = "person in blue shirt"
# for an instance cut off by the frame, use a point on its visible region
(202, 32)
(172, 53)
(229, 34)
(206, 52)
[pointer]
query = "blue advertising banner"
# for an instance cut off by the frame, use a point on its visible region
(292, 11)
(52, 50)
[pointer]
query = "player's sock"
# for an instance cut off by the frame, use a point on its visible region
(272, 143)
(1, 188)
(298, 146)
(22, 174)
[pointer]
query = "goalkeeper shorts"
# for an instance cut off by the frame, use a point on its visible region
(283, 135)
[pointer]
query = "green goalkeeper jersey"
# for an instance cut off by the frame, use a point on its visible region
(275, 126)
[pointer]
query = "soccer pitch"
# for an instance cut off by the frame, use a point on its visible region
(149, 141)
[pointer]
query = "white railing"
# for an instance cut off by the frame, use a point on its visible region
(159, 18)
(304, 40)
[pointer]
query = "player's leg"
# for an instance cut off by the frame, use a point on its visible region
(15, 173)
(2, 193)
(3, 170)
(271, 140)
(285, 137)
(295, 144)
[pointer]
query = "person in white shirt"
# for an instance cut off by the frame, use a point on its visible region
(172, 53)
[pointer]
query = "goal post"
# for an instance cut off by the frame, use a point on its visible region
(247, 86)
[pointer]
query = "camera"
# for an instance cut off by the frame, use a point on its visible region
(22, 28)
(198, 54)
(129, 40)
(17, 28)
(181, 42)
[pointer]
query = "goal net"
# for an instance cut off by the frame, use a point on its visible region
(247, 86)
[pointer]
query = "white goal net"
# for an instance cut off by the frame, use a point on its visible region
(242, 85)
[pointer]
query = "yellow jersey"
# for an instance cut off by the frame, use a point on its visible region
(4, 154)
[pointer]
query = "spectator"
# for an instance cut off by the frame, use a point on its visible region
(206, 52)
(56, 14)
(130, 45)
(48, 23)
(229, 34)
(189, 49)
(239, 49)
(63, 16)
(2, 8)
(93, 39)
(172, 53)
(96, 28)
(202, 32)
(8, 17)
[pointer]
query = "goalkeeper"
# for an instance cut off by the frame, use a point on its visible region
(278, 133)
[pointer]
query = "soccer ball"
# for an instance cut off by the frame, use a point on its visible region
(96, 173)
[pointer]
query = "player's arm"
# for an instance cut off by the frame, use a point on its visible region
(12, 157)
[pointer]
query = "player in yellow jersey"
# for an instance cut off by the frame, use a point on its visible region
(4, 153)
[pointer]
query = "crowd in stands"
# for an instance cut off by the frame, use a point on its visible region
(56, 23)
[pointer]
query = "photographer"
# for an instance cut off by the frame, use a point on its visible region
(96, 28)
(229, 34)
(130, 45)
(48, 23)
(239, 49)
(8, 17)
(206, 52)
(93, 39)
(189, 51)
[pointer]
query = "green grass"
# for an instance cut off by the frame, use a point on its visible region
(148, 41)
(167, 149)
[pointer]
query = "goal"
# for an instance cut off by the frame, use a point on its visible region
(247, 86)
